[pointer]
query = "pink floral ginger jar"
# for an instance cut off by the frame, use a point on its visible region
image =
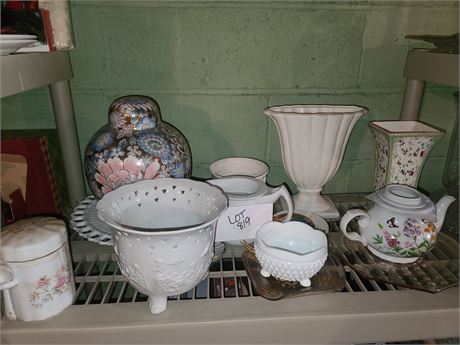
(135, 145)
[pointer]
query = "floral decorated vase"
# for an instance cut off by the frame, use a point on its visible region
(401, 148)
(135, 145)
(402, 225)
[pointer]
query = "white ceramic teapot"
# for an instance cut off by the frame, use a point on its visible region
(244, 192)
(402, 225)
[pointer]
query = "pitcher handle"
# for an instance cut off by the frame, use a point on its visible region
(364, 222)
(7, 281)
(283, 193)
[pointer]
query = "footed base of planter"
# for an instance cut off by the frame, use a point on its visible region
(316, 203)
(157, 304)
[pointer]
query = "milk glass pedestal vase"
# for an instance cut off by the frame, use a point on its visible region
(401, 148)
(313, 140)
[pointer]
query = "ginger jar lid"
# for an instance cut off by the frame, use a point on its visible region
(133, 113)
(32, 238)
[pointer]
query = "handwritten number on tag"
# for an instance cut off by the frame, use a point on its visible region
(240, 220)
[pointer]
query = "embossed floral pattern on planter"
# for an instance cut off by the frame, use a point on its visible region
(47, 288)
(135, 145)
(401, 148)
(415, 239)
(172, 272)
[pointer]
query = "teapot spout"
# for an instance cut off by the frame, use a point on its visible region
(441, 208)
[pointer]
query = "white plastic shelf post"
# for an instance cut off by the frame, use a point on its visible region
(422, 66)
(23, 72)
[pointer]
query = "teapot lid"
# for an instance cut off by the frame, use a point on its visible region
(403, 198)
(32, 238)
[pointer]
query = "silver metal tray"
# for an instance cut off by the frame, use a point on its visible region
(331, 278)
(435, 272)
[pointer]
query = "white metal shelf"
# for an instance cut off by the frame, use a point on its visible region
(24, 72)
(426, 66)
(356, 315)
(431, 66)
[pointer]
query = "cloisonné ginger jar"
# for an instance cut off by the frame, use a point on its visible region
(135, 145)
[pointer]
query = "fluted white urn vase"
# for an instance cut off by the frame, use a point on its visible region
(313, 140)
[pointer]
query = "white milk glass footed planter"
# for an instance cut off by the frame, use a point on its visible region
(163, 233)
(313, 140)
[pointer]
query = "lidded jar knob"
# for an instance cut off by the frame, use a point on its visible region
(133, 113)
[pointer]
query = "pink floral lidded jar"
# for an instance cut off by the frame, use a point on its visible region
(36, 273)
(135, 145)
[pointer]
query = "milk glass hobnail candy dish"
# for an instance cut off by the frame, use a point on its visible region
(292, 251)
(163, 234)
(313, 140)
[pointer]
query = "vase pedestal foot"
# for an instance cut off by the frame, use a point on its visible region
(314, 202)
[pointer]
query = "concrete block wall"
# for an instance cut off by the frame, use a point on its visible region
(213, 66)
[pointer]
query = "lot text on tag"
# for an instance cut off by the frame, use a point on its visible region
(242, 222)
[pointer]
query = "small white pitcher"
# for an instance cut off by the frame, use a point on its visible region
(244, 192)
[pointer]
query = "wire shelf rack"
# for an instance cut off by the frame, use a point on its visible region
(225, 307)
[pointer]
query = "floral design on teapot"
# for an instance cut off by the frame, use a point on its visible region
(410, 241)
(46, 288)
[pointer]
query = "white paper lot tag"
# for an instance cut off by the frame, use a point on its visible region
(242, 222)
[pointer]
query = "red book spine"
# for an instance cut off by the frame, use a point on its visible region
(48, 29)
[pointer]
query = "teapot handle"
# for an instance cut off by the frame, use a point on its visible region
(363, 222)
(282, 192)
(7, 281)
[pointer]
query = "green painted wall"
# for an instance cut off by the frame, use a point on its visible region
(213, 66)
